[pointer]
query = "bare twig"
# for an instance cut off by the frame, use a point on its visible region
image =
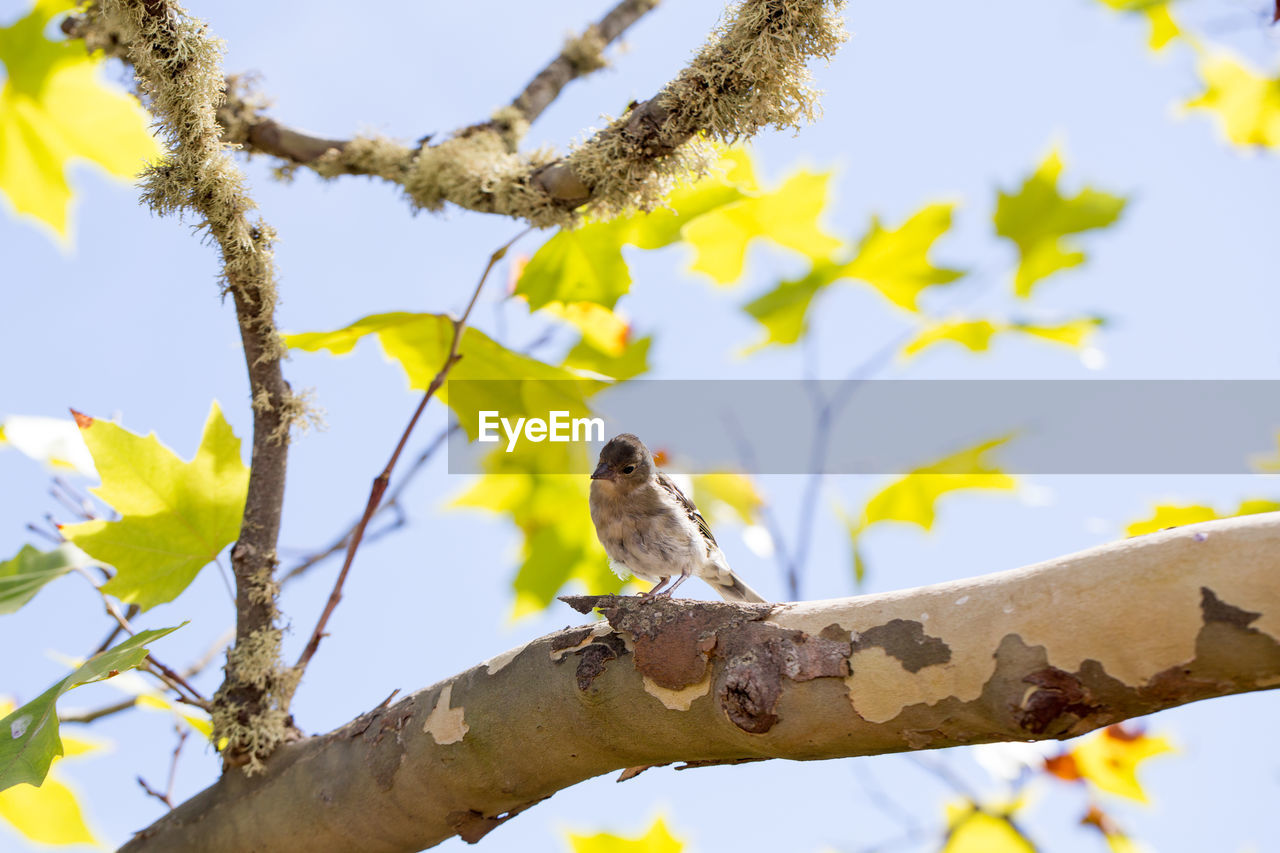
(380, 482)
(98, 713)
(167, 796)
(392, 502)
(186, 693)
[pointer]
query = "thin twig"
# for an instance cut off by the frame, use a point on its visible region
(186, 693)
(392, 501)
(44, 534)
(380, 482)
(167, 796)
(98, 713)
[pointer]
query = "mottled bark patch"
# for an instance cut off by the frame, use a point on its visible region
(385, 744)
(471, 825)
(593, 658)
(1217, 610)
(906, 641)
(675, 643)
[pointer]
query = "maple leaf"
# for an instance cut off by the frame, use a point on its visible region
(1164, 28)
(1038, 218)
(54, 109)
(51, 813)
(1109, 760)
(29, 737)
(976, 334)
(657, 839)
(518, 386)
(1245, 102)
(971, 829)
(1176, 515)
(176, 516)
(895, 262)
(788, 216)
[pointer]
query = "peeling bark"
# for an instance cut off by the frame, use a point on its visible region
(1049, 651)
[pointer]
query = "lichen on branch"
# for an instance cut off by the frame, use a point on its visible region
(177, 65)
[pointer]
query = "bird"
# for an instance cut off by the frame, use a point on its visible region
(650, 529)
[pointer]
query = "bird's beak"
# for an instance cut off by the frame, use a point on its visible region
(603, 472)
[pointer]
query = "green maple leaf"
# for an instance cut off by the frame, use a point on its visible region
(22, 576)
(894, 262)
(518, 385)
(53, 109)
(176, 516)
(29, 738)
(1038, 219)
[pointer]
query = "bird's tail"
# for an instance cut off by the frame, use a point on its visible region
(731, 588)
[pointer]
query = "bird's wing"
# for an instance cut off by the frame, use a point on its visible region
(690, 509)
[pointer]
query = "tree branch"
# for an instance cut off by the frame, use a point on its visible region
(1049, 651)
(177, 66)
(383, 479)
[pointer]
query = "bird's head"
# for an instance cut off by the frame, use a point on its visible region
(625, 463)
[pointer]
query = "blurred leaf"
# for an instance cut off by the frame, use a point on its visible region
(582, 265)
(1038, 219)
(896, 263)
(1109, 760)
(628, 364)
(784, 310)
(787, 216)
(658, 839)
(196, 718)
(1176, 515)
(420, 342)
(559, 542)
(733, 491)
(1164, 28)
(585, 264)
(22, 576)
(973, 830)
(913, 498)
(601, 328)
(976, 335)
(53, 110)
(29, 738)
(1245, 102)
(1268, 464)
(176, 516)
(49, 814)
(56, 442)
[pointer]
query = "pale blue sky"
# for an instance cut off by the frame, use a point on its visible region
(927, 101)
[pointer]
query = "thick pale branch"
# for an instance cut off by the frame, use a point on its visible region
(1050, 651)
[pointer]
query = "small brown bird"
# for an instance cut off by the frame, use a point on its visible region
(650, 529)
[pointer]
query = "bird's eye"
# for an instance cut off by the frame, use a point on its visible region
(628, 469)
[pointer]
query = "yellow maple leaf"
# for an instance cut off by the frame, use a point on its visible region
(1176, 515)
(657, 839)
(1108, 760)
(976, 830)
(1245, 102)
(54, 109)
(788, 216)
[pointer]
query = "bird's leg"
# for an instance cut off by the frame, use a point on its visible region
(656, 588)
(684, 576)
